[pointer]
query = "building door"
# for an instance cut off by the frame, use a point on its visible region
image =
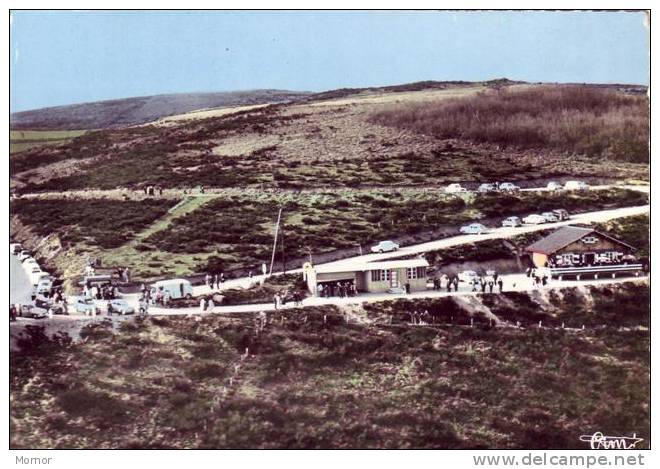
(589, 258)
(394, 278)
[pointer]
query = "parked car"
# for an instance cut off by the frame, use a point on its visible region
(576, 186)
(534, 219)
(554, 186)
(550, 217)
(473, 228)
(512, 221)
(117, 305)
(29, 265)
(15, 248)
(455, 188)
(176, 287)
(486, 187)
(38, 275)
(44, 283)
(467, 276)
(31, 311)
(509, 187)
(85, 306)
(24, 254)
(561, 214)
(385, 246)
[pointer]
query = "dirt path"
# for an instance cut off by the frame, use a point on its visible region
(130, 194)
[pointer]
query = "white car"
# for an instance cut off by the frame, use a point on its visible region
(576, 186)
(40, 277)
(473, 228)
(34, 273)
(550, 217)
(507, 186)
(30, 264)
(534, 219)
(486, 187)
(116, 306)
(44, 283)
(385, 246)
(24, 255)
(455, 188)
(554, 186)
(15, 248)
(513, 222)
(467, 276)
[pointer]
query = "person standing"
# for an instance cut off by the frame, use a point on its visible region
(500, 284)
(211, 305)
(276, 300)
(216, 281)
(202, 305)
(490, 286)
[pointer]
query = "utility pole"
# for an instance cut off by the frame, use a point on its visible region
(283, 253)
(277, 229)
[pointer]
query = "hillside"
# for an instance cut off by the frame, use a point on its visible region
(339, 141)
(333, 377)
(130, 111)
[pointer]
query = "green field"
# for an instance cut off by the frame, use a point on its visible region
(314, 379)
(20, 140)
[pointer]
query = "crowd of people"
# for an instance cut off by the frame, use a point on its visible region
(340, 289)
(213, 280)
(280, 299)
(105, 291)
(538, 279)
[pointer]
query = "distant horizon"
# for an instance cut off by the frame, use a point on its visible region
(321, 91)
(114, 55)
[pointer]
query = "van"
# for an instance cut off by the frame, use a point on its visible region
(96, 280)
(177, 288)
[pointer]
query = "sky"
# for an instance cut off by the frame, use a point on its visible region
(65, 57)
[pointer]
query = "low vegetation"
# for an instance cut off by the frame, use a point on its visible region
(102, 223)
(239, 230)
(581, 120)
(20, 140)
(635, 231)
(317, 378)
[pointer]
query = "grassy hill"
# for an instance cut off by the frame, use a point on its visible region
(585, 120)
(326, 377)
(376, 138)
(130, 111)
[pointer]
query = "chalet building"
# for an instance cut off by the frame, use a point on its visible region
(369, 277)
(573, 246)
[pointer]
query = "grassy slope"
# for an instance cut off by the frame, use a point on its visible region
(573, 119)
(21, 140)
(305, 146)
(310, 383)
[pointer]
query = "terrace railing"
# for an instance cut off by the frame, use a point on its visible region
(597, 271)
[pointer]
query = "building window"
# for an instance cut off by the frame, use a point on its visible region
(415, 272)
(380, 275)
(589, 240)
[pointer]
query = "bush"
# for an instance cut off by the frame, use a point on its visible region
(573, 119)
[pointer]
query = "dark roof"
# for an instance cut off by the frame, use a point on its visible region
(565, 236)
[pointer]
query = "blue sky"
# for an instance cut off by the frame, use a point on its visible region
(69, 57)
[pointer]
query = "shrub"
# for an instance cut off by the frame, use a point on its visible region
(573, 119)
